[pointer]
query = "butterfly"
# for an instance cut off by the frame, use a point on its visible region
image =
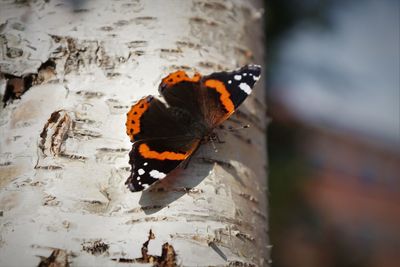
(166, 135)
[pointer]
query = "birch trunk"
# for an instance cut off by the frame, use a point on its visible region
(77, 69)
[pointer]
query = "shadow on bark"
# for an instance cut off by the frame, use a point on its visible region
(178, 183)
(184, 181)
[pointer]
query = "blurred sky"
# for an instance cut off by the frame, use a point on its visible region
(346, 77)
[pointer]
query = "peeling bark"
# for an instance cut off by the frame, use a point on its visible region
(167, 258)
(58, 258)
(68, 76)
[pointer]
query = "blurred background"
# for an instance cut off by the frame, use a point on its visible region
(334, 139)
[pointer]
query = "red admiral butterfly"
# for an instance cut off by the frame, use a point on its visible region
(165, 136)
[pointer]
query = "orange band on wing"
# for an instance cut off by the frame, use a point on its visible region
(133, 117)
(224, 94)
(145, 151)
(179, 76)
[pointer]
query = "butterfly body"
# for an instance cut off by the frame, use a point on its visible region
(164, 136)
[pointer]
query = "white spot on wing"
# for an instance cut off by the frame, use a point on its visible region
(157, 175)
(229, 82)
(141, 171)
(138, 178)
(145, 185)
(244, 74)
(145, 164)
(237, 77)
(256, 78)
(245, 88)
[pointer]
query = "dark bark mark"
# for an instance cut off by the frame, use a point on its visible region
(55, 132)
(80, 130)
(95, 247)
(137, 44)
(48, 167)
(94, 206)
(167, 258)
(58, 258)
(120, 23)
(214, 5)
(16, 86)
(112, 150)
(85, 121)
(146, 18)
(170, 54)
(210, 65)
(50, 200)
(184, 44)
(81, 53)
(171, 50)
(107, 28)
(199, 20)
(152, 219)
(127, 169)
(248, 197)
(138, 53)
(179, 67)
(240, 264)
(14, 52)
(116, 107)
(81, 10)
(46, 71)
(90, 94)
(145, 21)
(72, 156)
(113, 74)
(187, 190)
(243, 237)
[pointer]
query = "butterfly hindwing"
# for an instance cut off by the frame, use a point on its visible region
(151, 160)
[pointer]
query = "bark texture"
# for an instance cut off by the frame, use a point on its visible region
(69, 74)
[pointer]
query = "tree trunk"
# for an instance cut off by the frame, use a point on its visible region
(70, 73)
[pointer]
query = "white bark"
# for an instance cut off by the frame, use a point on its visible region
(64, 151)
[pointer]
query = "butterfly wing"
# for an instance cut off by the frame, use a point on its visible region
(150, 118)
(152, 160)
(210, 99)
(233, 88)
(160, 142)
